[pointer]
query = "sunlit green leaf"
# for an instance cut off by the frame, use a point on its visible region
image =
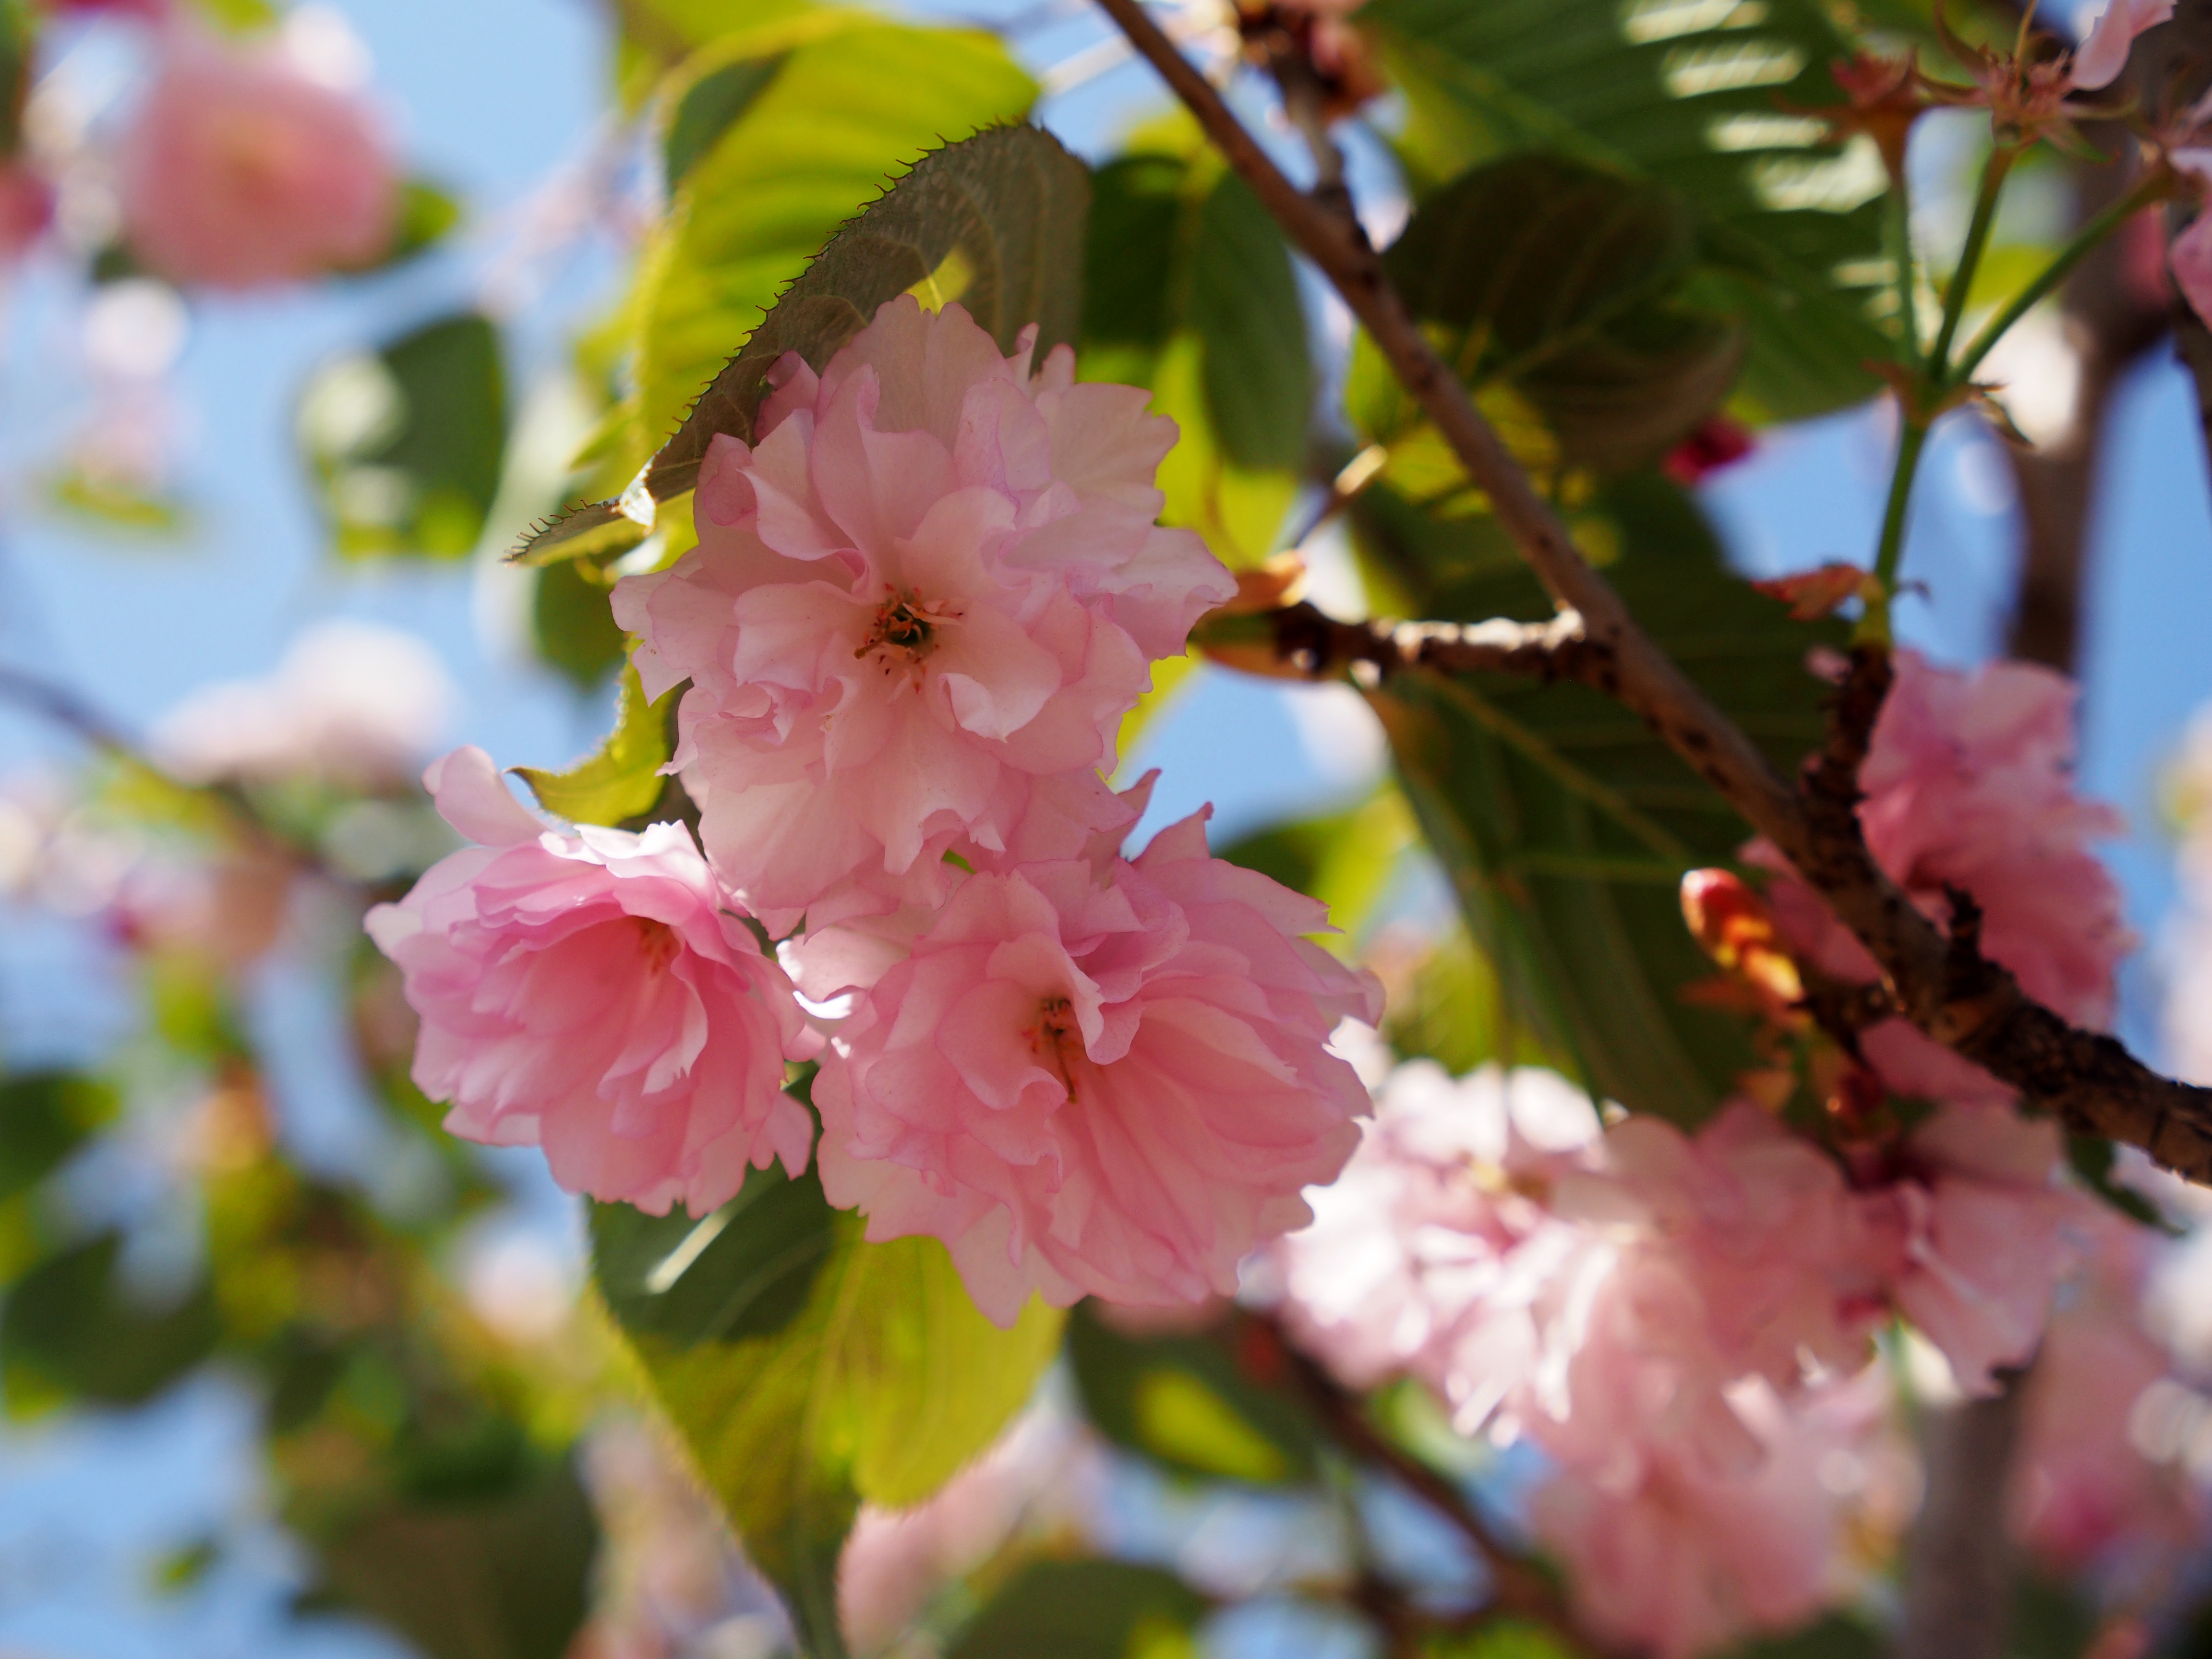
(880, 1383)
(1709, 100)
(1189, 291)
(622, 780)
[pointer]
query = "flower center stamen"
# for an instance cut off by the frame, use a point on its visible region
(657, 943)
(1056, 1038)
(904, 631)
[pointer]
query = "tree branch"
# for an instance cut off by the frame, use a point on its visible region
(1517, 1587)
(2088, 1080)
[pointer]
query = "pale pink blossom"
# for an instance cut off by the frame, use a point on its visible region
(2094, 1485)
(591, 994)
(1969, 784)
(1110, 1087)
(1041, 1480)
(241, 169)
(2104, 49)
(934, 579)
(27, 207)
(1670, 1555)
(1429, 1253)
(350, 703)
(2190, 256)
(1973, 1232)
(1584, 1290)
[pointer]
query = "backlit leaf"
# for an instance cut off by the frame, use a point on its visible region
(622, 779)
(1707, 99)
(808, 1369)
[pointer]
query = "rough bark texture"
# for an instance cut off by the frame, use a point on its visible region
(2089, 1081)
(1957, 1581)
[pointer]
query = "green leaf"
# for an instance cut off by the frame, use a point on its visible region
(1345, 860)
(405, 445)
(1184, 1401)
(1086, 1610)
(621, 780)
(1567, 283)
(993, 221)
(1564, 823)
(45, 1117)
(2091, 1157)
(428, 214)
(1190, 291)
(1701, 99)
(71, 1329)
(504, 1577)
(707, 106)
(572, 623)
(880, 1383)
(744, 1271)
(1508, 1639)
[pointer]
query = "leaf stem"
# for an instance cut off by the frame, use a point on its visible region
(1899, 224)
(2150, 190)
(1911, 440)
(1993, 171)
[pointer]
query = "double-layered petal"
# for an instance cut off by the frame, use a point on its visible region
(589, 994)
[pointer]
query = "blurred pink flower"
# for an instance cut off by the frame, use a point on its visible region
(589, 994)
(2191, 254)
(1041, 1479)
(2104, 49)
(1579, 1288)
(934, 578)
(1969, 784)
(27, 207)
(1667, 1554)
(1429, 1253)
(1110, 1087)
(350, 703)
(2093, 1486)
(241, 170)
(1974, 1233)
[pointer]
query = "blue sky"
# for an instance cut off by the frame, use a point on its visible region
(492, 94)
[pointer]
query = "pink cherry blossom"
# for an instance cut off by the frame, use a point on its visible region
(1968, 782)
(241, 170)
(2104, 49)
(27, 207)
(1114, 1088)
(2093, 1486)
(1974, 1233)
(589, 994)
(934, 579)
(1669, 1555)
(2191, 254)
(349, 702)
(1429, 1253)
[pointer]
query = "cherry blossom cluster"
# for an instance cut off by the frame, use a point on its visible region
(923, 599)
(1682, 1321)
(246, 162)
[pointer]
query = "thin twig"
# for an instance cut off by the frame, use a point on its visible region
(2089, 1080)
(1517, 1587)
(64, 709)
(1310, 644)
